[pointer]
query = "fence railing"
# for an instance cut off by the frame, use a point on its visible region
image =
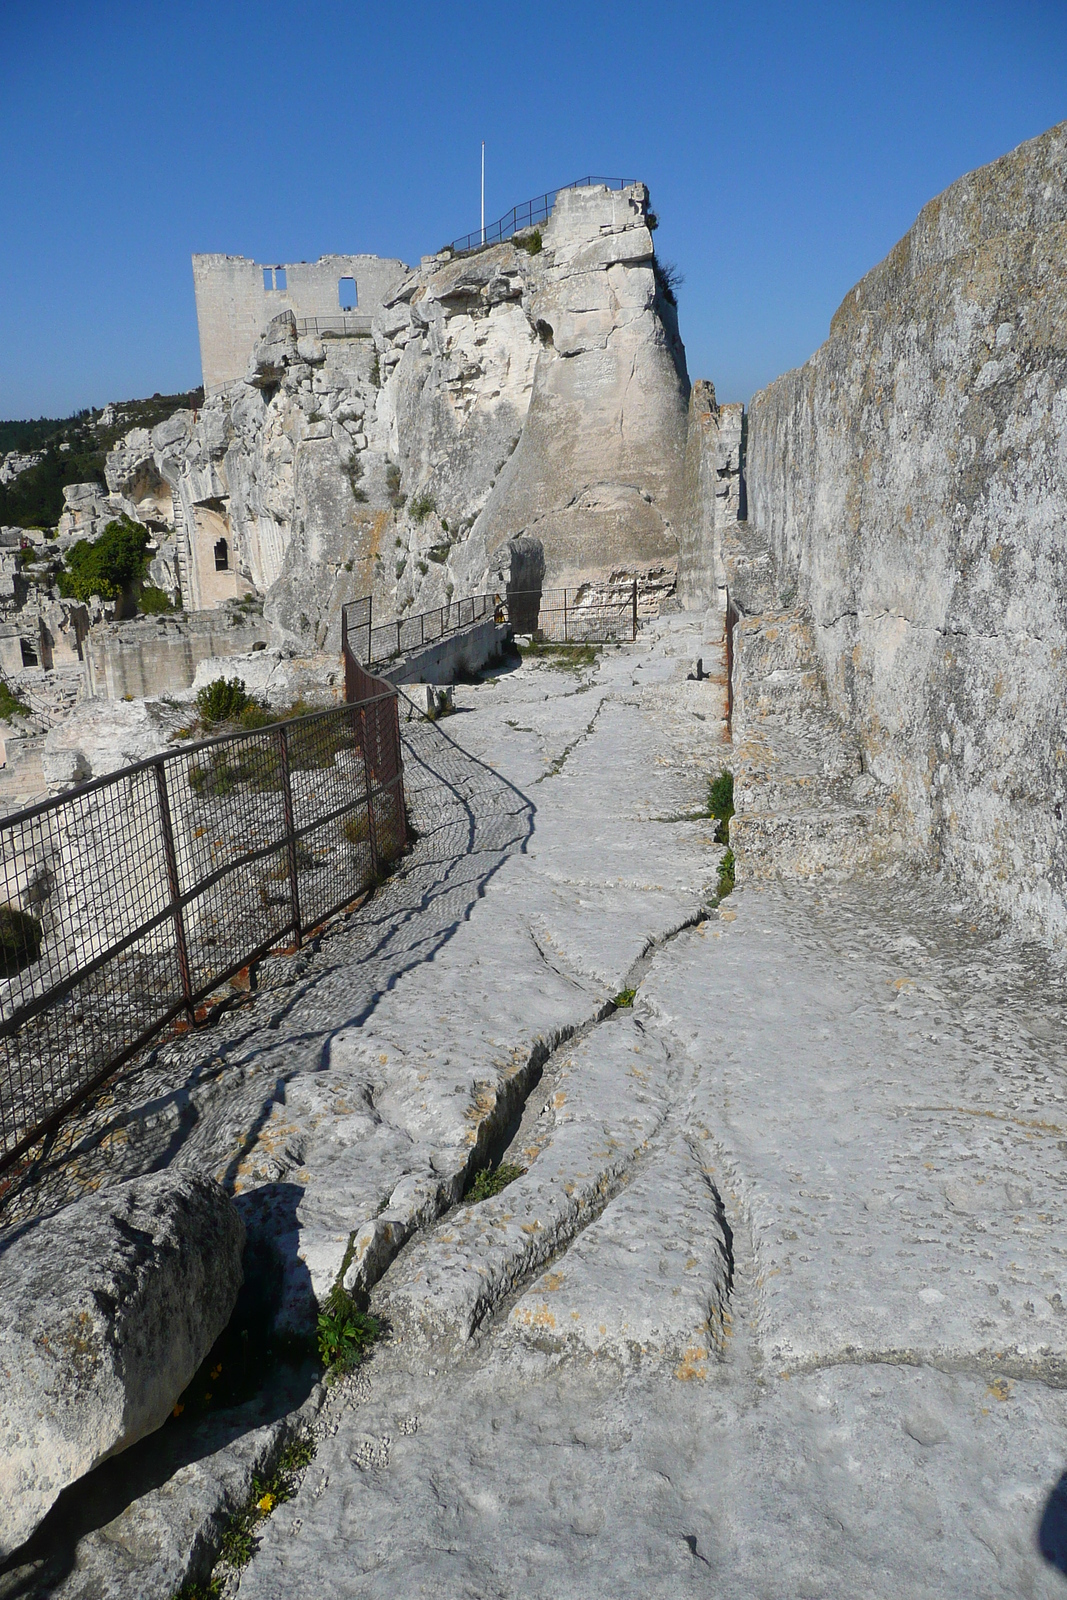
(529, 214)
(376, 644)
(128, 901)
(589, 614)
(338, 325)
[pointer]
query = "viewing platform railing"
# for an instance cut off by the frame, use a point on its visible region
(529, 214)
(341, 324)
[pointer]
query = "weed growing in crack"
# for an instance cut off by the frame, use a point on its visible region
(625, 997)
(561, 657)
(721, 805)
(727, 868)
(239, 1540)
(345, 1334)
(490, 1180)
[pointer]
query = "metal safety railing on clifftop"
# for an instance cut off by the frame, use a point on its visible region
(127, 902)
(377, 644)
(529, 214)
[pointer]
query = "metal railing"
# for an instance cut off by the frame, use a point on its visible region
(529, 214)
(589, 614)
(341, 325)
(129, 901)
(376, 644)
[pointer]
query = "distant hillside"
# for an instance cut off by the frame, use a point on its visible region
(35, 498)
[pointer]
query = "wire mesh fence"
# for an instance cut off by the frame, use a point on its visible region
(127, 902)
(529, 214)
(589, 614)
(376, 644)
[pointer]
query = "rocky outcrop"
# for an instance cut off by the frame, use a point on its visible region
(532, 392)
(101, 735)
(911, 481)
(106, 1311)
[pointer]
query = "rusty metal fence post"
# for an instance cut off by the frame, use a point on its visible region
(634, 634)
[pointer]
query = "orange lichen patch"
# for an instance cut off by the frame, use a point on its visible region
(542, 1317)
(691, 1261)
(694, 1364)
(559, 1099)
(1000, 1388)
(551, 1282)
(530, 1227)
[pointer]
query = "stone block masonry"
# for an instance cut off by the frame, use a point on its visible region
(236, 300)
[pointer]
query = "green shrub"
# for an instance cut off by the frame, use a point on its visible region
(20, 940)
(422, 506)
(490, 1181)
(153, 601)
(108, 565)
(10, 704)
(222, 700)
(532, 243)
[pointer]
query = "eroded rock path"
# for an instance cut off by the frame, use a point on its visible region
(776, 1308)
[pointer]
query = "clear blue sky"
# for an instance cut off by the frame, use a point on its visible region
(787, 147)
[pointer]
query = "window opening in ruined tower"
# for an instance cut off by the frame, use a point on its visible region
(268, 277)
(346, 294)
(222, 556)
(279, 277)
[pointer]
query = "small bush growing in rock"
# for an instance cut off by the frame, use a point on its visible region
(422, 506)
(491, 1180)
(532, 243)
(223, 700)
(625, 997)
(20, 940)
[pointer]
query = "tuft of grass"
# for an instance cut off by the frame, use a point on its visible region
(532, 243)
(625, 997)
(561, 657)
(491, 1180)
(422, 506)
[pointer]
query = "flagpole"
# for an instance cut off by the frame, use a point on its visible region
(483, 191)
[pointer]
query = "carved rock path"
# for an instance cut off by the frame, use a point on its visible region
(776, 1309)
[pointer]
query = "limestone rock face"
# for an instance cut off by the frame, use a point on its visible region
(911, 480)
(713, 487)
(106, 1311)
(514, 394)
(101, 735)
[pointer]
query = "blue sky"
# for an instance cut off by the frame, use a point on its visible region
(787, 147)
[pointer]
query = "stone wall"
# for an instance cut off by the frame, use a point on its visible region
(234, 306)
(151, 656)
(911, 480)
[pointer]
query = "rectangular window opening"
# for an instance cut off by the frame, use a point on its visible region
(279, 277)
(346, 294)
(268, 277)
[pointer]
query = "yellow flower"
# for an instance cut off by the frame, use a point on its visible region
(266, 1505)
(178, 1409)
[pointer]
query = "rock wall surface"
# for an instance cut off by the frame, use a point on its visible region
(712, 496)
(531, 392)
(911, 481)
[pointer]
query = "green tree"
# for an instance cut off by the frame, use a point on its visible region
(107, 566)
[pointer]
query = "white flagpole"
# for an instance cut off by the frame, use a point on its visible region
(483, 191)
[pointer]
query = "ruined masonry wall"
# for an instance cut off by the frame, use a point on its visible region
(233, 308)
